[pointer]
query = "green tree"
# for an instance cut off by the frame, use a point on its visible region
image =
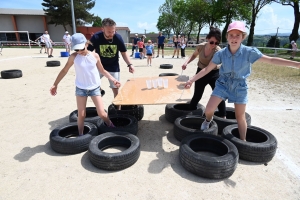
(59, 12)
(295, 4)
(163, 23)
(273, 42)
(97, 22)
(256, 6)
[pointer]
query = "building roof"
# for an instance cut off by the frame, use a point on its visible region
(11, 11)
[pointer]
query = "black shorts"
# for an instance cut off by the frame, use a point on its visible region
(43, 44)
(141, 49)
(160, 46)
(149, 54)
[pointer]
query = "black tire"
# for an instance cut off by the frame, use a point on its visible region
(124, 123)
(261, 145)
(168, 74)
(136, 111)
(91, 115)
(190, 124)
(230, 119)
(13, 73)
(166, 66)
(65, 140)
(53, 63)
(114, 161)
(173, 111)
(213, 167)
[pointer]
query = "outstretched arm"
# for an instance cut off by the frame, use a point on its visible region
(200, 74)
(190, 59)
(61, 75)
(278, 61)
(104, 72)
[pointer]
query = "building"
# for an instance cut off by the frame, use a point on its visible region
(36, 22)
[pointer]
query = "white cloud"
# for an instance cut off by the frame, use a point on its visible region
(270, 18)
(150, 27)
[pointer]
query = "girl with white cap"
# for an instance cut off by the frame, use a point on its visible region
(236, 60)
(87, 79)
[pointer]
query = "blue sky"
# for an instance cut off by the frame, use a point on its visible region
(142, 16)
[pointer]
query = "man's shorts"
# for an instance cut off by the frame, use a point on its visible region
(116, 75)
(48, 45)
(141, 49)
(68, 46)
(160, 46)
(235, 92)
(86, 93)
(42, 44)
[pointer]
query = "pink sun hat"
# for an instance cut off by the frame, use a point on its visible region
(237, 25)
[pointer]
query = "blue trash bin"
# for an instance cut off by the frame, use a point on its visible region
(137, 55)
(64, 54)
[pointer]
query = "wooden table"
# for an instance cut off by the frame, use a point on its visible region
(135, 92)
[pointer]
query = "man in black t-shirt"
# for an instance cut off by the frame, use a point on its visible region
(134, 44)
(108, 44)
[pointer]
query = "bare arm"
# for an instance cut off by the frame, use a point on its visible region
(104, 72)
(127, 60)
(278, 61)
(190, 59)
(62, 74)
(200, 74)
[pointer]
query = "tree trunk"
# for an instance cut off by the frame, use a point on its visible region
(198, 35)
(252, 25)
(294, 35)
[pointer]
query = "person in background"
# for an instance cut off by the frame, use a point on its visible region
(134, 44)
(87, 79)
(108, 44)
(183, 42)
(294, 49)
(176, 46)
(236, 60)
(205, 51)
(67, 41)
(160, 44)
(48, 43)
(141, 47)
(41, 43)
(149, 52)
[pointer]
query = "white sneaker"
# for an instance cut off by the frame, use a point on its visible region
(205, 125)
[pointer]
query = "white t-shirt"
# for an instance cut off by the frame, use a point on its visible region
(67, 39)
(46, 37)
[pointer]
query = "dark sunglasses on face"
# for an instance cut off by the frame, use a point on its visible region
(79, 49)
(212, 42)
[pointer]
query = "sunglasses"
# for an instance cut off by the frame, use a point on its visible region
(79, 49)
(212, 42)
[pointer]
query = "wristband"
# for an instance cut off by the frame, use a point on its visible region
(129, 65)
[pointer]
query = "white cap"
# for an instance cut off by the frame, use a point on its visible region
(78, 41)
(66, 32)
(136, 34)
(292, 42)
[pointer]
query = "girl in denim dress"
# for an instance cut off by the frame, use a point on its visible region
(236, 60)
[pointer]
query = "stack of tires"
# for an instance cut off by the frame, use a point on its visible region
(98, 137)
(214, 153)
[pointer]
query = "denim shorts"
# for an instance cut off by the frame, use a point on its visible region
(116, 75)
(86, 93)
(234, 91)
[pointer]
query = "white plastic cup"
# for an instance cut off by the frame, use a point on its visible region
(160, 82)
(149, 85)
(154, 83)
(166, 83)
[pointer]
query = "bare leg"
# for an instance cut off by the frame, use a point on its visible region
(162, 52)
(100, 108)
(81, 107)
(211, 107)
(241, 120)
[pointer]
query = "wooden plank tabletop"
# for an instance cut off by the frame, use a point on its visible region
(135, 92)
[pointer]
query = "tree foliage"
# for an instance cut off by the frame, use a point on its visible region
(273, 42)
(59, 11)
(97, 22)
